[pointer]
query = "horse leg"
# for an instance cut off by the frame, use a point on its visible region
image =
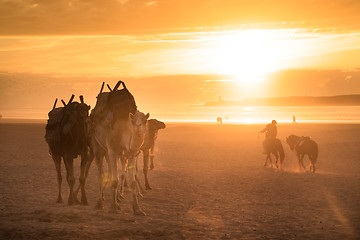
(131, 175)
(300, 161)
(57, 161)
(277, 159)
(70, 179)
(312, 160)
(266, 160)
(146, 168)
(270, 160)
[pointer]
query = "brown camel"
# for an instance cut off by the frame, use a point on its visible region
(67, 137)
(118, 131)
(153, 126)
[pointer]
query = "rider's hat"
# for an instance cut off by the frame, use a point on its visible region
(273, 122)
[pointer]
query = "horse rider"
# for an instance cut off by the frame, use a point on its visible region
(270, 133)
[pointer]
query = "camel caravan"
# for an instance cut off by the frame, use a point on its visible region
(115, 131)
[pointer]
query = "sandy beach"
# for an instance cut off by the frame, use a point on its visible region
(209, 182)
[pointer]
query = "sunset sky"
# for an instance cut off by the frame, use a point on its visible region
(174, 54)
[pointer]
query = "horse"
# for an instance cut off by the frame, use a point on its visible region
(274, 146)
(67, 137)
(304, 146)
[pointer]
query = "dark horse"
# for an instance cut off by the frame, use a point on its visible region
(304, 146)
(67, 137)
(274, 146)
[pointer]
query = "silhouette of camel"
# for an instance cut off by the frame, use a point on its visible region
(153, 126)
(67, 137)
(118, 131)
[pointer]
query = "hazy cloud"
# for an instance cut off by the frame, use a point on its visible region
(140, 16)
(32, 95)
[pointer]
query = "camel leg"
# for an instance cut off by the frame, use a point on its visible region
(70, 179)
(114, 179)
(131, 174)
(99, 162)
(146, 168)
(152, 166)
(139, 187)
(123, 161)
(83, 174)
(57, 161)
(87, 168)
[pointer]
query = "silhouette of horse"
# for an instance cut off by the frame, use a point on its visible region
(304, 146)
(274, 146)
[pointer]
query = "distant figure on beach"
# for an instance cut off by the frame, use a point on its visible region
(219, 120)
(294, 119)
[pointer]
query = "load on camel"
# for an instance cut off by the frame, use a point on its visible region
(67, 137)
(117, 131)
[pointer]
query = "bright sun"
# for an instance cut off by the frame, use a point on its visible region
(247, 55)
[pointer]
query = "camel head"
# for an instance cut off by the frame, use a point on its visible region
(155, 125)
(138, 121)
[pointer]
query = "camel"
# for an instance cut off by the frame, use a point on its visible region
(67, 137)
(153, 126)
(118, 131)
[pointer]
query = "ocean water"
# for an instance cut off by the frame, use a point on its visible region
(241, 114)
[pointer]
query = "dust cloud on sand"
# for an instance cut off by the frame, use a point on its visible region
(208, 183)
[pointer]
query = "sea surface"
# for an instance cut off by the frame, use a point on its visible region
(241, 114)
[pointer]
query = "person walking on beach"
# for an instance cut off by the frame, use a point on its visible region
(270, 133)
(294, 119)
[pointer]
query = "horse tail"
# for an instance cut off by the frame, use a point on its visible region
(281, 152)
(316, 153)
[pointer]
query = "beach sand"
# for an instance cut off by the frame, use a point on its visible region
(209, 182)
